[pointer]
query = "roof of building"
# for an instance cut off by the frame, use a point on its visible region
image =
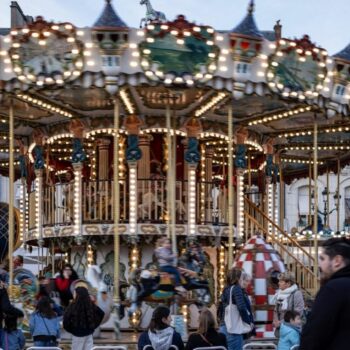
(109, 18)
(344, 54)
(248, 26)
(4, 31)
(269, 35)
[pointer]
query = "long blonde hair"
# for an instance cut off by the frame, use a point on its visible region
(206, 321)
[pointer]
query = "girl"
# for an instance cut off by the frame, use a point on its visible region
(160, 335)
(44, 324)
(63, 283)
(207, 334)
(81, 319)
(11, 338)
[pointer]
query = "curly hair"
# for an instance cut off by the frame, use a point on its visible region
(81, 310)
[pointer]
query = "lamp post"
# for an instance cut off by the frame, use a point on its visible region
(326, 210)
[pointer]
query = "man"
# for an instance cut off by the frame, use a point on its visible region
(328, 325)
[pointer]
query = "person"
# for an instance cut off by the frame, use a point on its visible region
(328, 325)
(167, 261)
(160, 335)
(5, 305)
(290, 331)
(44, 324)
(81, 319)
(11, 337)
(207, 335)
(239, 280)
(287, 297)
(63, 283)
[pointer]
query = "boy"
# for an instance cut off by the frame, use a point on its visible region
(290, 330)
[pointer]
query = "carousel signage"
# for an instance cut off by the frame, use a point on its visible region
(179, 52)
(298, 69)
(46, 53)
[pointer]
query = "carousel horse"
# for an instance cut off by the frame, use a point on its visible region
(151, 14)
(147, 285)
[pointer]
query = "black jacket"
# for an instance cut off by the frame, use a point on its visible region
(80, 331)
(6, 307)
(328, 327)
(212, 338)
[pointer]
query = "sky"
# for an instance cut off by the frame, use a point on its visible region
(325, 21)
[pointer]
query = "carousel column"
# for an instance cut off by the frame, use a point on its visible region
(269, 171)
(209, 191)
(76, 127)
(192, 157)
(11, 193)
(133, 155)
(315, 219)
(103, 158)
(38, 205)
(144, 169)
(241, 166)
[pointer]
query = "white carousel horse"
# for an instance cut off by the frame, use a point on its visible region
(151, 14)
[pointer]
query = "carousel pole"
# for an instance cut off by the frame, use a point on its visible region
(327, 181)
(281, 197)
(310, 177)
(338, 192)
(315, 228)
(116, 204)
(230, 186)
(169, 164)
(11, 194)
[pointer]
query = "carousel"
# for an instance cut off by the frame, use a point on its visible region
(119, 136)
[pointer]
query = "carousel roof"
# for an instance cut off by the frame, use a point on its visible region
(248, 26)
(109, 18)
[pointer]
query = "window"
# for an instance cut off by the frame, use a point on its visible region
(111, 61)
(242, 68)
(340, 90)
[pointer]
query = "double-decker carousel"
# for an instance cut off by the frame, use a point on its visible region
(122, 135)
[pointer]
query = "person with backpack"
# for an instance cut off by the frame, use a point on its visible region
(11, 338)
(207, 334)
(234, 312)
(81, 318)
(44, 324)
(287, 297)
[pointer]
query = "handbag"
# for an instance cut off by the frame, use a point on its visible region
(233, 320)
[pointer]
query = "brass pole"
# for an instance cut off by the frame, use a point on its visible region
(327, 213)
(315, 207)
(169, 170)
(310, 177)
(338, 192)
(281, 202)
(250, 174)
(230, 187)
(173, 186)
(116, 201)
(11, 194)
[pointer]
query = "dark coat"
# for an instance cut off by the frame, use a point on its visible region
(328, 325)
(212, 338)
(144, 340)
(6, 307)
(80, 331)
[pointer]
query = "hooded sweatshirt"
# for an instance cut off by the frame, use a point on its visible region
(289, 336)
(161, 339)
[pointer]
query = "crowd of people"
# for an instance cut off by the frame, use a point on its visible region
(324, 327)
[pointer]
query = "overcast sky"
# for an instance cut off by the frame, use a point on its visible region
(326, 21)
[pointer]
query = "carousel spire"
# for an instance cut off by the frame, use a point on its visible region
(248, 26)
(344, 54)
(109, 18)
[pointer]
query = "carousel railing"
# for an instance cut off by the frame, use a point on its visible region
(97, 202)
(296, 258)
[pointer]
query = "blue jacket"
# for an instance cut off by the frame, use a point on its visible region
(15, 340)
(39, 325)
(289, 336)
(240, 298)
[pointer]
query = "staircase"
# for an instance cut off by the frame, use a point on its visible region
(297, 259)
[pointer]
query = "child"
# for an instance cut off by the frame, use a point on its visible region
(290, 330)
(11, 338)
(167, 261)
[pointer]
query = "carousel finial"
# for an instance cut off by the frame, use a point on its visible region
(251, 7)
(108, 1)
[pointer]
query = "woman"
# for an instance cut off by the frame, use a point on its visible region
(207, 334)
(237, 281)
(160, 335)
(81, 319)
(287, 298)
(63, 283)
(44, 324)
